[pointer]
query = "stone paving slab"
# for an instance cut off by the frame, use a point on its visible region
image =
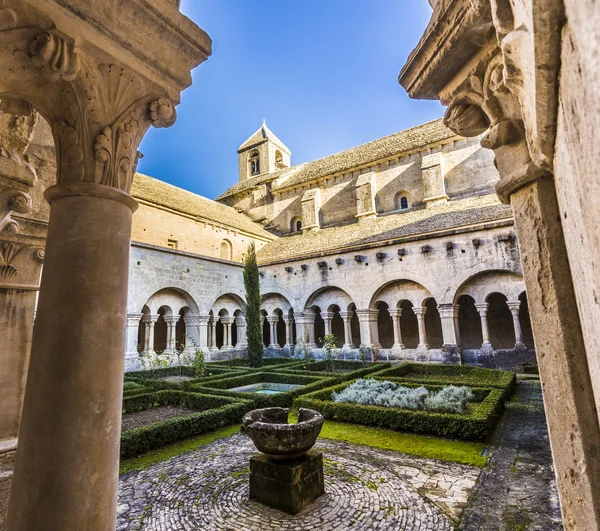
(365, 488)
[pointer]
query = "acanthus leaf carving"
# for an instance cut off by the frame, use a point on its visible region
(13, 201)
(8, 252)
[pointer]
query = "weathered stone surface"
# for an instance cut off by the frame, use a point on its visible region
(288, 485)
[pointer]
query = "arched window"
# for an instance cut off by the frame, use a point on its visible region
(254, 162)
(278, 157)
(226, 250)
(296, 225)
(401, 201)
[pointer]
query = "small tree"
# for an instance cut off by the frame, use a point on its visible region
(253, 317)
(330, 350)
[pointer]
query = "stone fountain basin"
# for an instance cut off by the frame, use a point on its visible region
(274, 436)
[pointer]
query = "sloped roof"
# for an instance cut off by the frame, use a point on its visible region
(454, 214)
(408, 140)
(262, 135)
(160, 193)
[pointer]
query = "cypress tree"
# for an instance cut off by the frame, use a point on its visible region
(253, 317)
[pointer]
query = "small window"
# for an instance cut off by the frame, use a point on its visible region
(401, 201)
(296, 225)
(226, 250)
(172, 244)
(254, 162)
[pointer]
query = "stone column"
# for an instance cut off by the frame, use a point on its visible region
(273, 320)
(485, 329)
(450, 330)
(419, 311)
(289, 341)
(151, 324)
(327, 317)
(395, 315)
(134, 321)
(369, 331)
(347, 317)
(514, 308)
(196, 332)
(242, 340)
(171, 333)
(226, 333)
(306, 333)
(213, 334)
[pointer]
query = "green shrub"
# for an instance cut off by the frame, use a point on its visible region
(323, 369)
(253, 317)
(284, 399)
(449, 375)
(128, 385)
(475, 425)
(142, 389)
(243, 363)
(216, 411)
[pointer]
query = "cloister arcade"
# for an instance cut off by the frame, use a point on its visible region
(403, 320)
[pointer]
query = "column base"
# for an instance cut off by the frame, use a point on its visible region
(451, 354)
(289, 486)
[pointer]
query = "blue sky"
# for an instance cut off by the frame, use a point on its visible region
(323, 73)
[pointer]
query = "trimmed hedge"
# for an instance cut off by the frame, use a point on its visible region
(284, 399)
(474, 425)
(186, 385)
(139, 391)
(321, 368)
(184, 370)
(445, 375)
(217, 411)
(242, 363)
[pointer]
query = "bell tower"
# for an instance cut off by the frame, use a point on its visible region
(262, 153)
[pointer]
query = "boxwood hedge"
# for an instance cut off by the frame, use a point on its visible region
(284, 399)
(217, 411)
(242, 363)
(358, 369)
(475, 425)
(449, 375)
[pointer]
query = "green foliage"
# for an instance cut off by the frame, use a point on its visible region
(468, 453)
(253, 317)
(354, 369)
(128, 385)
(284, 399)
(197, 362)
(152, 362)
(475, 425)
(329, 347)
(216, 411)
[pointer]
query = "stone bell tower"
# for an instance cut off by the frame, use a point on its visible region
(262, 153)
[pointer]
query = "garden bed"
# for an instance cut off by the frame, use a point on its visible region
(242, 363)
(205, 413)
(473, 425)
(147, 417)
(283, 399)
(444, 375)
(343, 370)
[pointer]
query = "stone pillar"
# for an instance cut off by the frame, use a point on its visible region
(514, 308)
(369, 331)
(306, 333)
(226, 333)
(196, 332)
(134, 321)
(213, 333)
(327, 317)
(450, 330)
(151, 324)
(289, 336)
(73, 400)
(485, 329)
(242, 341)
(171, 333)
(419, 311)
(347, 317)
(273, 320)
(395, 315)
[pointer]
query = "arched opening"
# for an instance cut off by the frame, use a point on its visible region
(525, 321)
(401, 201)
(296, 224)
(319, 326)
(254, 162)
(385, 325)
(337, 325)
(433, 324)
(279, 159)
(354, 326)
(220, 339)
(143, 330)
(469, 323)
(500, 322)
(226, 250)
(266, 328)
(160, 330)
(180, 331)
(280, 329)
(409, 327)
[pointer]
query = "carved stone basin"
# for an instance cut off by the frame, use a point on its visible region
(272, 435)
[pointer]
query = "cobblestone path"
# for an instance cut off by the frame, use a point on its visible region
(366, 489)
(517, 490)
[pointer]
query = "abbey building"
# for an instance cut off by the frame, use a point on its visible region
(399, 247)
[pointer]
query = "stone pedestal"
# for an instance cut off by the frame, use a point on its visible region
(287, 485)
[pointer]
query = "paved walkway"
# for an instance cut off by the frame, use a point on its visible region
(517, 491)
(366, 489)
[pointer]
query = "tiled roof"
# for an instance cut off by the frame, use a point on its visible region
(454, 214)
(262, 135)
(160, 193)
(408, 140)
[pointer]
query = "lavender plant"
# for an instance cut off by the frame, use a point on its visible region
(372, 392)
